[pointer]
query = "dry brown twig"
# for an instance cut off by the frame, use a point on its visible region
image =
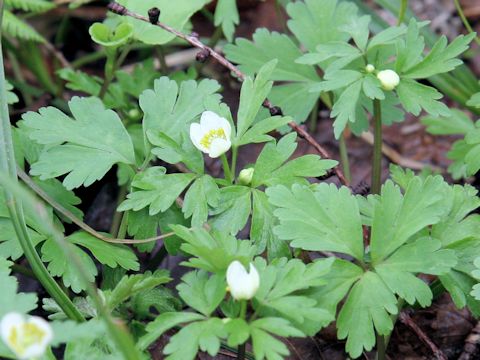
(472, 344)
(205, 52)
(408, 321)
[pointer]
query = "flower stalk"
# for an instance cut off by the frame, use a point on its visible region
(377, 147)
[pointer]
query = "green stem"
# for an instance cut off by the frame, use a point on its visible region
(381, 348)
(110, 65)
(226, 168)
(401, 13)
(23, 270)
(243, 315)
(314, 117)
(161, 59)
(344, 158)
(122, 230)
(465, 21)
(17, 72)
(377, 148)
(118, 216)
(234, 161)
(8, 166)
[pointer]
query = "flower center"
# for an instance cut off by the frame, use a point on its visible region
(28, 334)
(213, 134)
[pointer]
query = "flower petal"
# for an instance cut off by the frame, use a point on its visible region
(196, 134)
(210, 121)
(219, 147)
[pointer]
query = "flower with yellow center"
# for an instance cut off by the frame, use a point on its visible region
(212, 134)
(27, 337)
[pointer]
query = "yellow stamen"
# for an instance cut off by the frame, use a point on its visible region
(31, 334)
(208, 138)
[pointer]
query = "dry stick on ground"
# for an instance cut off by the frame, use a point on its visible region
(472, 343)
(206, 51)
(407, 320)
(39, 191)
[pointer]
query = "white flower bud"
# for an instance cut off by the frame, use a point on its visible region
(212, 134)
(369, 68)
(389, 79)
(27, 336)
(245, 176)
(242, 285)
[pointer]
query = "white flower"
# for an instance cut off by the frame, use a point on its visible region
(369, 68)
(389, 79)
(212, 134)
(246, 175)
(27, 336)
(242, 285)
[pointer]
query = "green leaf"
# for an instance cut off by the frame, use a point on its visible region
(267, 46)
(264, 344)
(203, 193)
(367, 310)
(213, 251)
(258, 132)
(397, 218)
(226, 14)
(155, 189)
(324, 219)
(12, 98)
(9, 244)
(203, 335)
(201, 292)
(421, 256)
(131, 285)
(170, 108)
(441, 58)
(273, 168)
(175, 14)
(457, 123)
(474, 100)
(415, 97)
(165, 322)
(261, 229)
(252, 95)
(233, 210)
(60, 265)
(345, 108)
(112, 255)
(110, 38)
(84, 148)
(357, 28)
(318, 22)
(11, 300)
(16, 28)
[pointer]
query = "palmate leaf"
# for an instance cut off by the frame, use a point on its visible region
(155, 189)
(84, 148)
(175, 14)
(226, 15)
(267, 46)
(168, 108)
(11, 300)
(322, 217)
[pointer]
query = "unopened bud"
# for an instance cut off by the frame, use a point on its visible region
(153, 15)
(389, 79)
(245, 176)
(369, 68)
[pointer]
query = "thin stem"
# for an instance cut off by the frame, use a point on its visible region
(344, 157)
(381, 348)
(17, 72)
(401, 13)
(110, 66)
(314, 117)
(234, 161)
(465, 21)
(377, 148)
(118, 216)
(226, 168)
(161, 59)
(243, 315)
(122, 230)
(15, 209)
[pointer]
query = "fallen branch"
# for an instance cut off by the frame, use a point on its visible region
(407, 320)
(205, 52)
